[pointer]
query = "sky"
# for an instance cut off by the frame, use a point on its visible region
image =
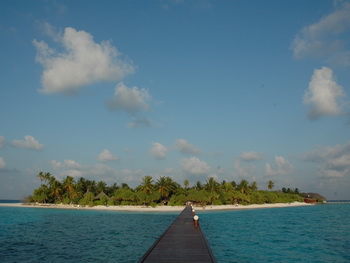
(116, 90)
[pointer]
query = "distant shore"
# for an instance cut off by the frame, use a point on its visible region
(157, 208)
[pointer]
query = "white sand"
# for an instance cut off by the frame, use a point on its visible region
(158, 208)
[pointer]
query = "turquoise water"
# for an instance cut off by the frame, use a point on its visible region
(55, 235)
(298, 234)
(318, 233)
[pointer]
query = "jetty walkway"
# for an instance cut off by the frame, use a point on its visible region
(181, 242)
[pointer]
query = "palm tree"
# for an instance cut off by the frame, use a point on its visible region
(69, 186)
(234, 184)
(173, 186)
(56, 189)
(147, 184)
(198, 186)
(41, 177)
(243, 186)
(110, 190)
(213, 188)
(212, 185)
(125, 186)
(228, 187)
(91, 186)
(48, 177)
(43, 192)
(81, 186)
(101, 186)
(163, 187)
(186, 184)
(270, 185)
(253, 186)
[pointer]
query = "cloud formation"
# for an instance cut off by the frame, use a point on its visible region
(334, 162)
(323, 94)
(186, 148)
(106, 156)
(2, 163)
(194, 166)
(29, 143)
(80, 63)
(328, 38)
(100, 171)
(282, 167)
(250, 156)
(67, 164)
(67, 167)
(131, 100)
(158, 150)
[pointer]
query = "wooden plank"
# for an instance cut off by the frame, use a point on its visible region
(181, 242)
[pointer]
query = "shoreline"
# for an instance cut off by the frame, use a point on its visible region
(157, 208)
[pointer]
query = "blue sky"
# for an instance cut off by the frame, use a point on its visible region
(116, 90)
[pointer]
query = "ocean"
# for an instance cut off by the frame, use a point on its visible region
(319, 233)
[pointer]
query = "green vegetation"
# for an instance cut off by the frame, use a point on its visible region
(151, 193)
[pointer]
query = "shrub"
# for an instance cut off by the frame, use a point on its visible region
(217, 202)
(111, 202)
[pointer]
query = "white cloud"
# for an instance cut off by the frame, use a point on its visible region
(106, 156)
(328, 38)
(334, 162)
(250, 156)
(74, 173)
(282, 167)
(29, 143)
(158, 150)
(340, 162)
(81, 62)
(131, 100)
(323, 94)
(66, 164)
(194, 166)
(97, 172)
(2, 141)
(67, 167)
(2, 163)
(186, 148)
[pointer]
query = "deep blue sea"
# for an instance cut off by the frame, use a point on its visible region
(318, 233)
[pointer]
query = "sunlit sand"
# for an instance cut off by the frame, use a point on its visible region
(158, 208)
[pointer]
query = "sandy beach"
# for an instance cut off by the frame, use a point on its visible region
(158, 208)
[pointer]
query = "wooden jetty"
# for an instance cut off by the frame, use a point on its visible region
(181, 242)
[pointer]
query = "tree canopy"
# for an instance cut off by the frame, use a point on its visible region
(152, 192)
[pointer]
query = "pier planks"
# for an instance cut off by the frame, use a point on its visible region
(181, 242)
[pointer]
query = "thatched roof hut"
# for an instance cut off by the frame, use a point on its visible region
(100, 195)
(315, 196)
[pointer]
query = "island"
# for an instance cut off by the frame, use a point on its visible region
(163, 193)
